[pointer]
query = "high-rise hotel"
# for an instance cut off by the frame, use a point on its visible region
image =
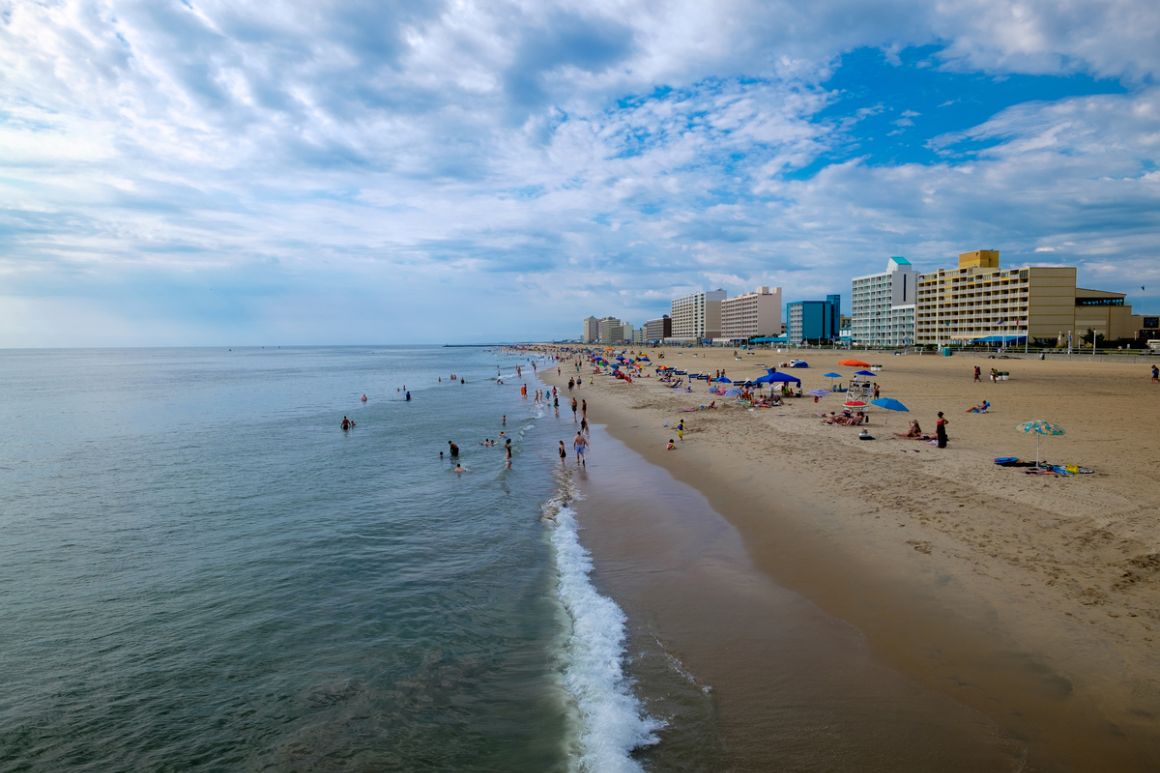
(882, 306)
(697, 316)
(981, 301)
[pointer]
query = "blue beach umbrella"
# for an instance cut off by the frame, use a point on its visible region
(1039, 427)
(725, 380)
(865, 373)
(890, 404)
(773, 378)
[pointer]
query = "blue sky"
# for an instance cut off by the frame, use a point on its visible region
(217, 173)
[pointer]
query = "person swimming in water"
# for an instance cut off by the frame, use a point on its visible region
(346, 424)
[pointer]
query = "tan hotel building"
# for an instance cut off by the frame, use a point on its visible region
(979, 299)
(753, 314)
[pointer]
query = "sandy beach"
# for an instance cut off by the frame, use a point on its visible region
(1033, 600)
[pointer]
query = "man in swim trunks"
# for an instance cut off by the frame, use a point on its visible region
(454, 449)
(580, 443)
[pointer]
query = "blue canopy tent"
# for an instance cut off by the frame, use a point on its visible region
(773, 377)
(999, 340)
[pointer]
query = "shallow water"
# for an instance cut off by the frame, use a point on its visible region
(201, 570)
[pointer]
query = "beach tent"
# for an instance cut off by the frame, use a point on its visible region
(773, 377)
(799, 364)
(999, 340)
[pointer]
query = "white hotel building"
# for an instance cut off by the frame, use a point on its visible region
(753, 314)
(882, 306)
(698, 315)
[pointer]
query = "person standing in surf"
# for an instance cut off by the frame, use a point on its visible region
(580, 443)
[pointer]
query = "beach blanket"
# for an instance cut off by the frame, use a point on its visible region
(1043, 468)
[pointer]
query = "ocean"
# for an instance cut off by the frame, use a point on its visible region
(201, 570)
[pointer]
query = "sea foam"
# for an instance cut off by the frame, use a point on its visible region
(611, 722)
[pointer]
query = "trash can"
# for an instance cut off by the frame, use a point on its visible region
(946, 351)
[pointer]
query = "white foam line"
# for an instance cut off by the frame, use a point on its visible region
(612, 721)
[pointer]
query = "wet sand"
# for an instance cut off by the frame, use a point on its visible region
(749, 674)
(1030, 601)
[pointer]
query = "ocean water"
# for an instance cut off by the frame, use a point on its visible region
(200, 570)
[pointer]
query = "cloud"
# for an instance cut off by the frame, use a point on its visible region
(532, 163)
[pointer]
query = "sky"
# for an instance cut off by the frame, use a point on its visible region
(179, 172)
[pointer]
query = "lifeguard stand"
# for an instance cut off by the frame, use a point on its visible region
(860, 388)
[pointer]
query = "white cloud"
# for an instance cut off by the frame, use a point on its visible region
(556, 149)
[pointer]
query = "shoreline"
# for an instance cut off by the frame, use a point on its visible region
(971, 591)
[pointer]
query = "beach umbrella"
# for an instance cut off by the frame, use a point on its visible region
(854, 404)
(864, 373)
(854, 364)
(890, 404)
(818, 392)
(725, 380)
(1039, 427)
(774, 377)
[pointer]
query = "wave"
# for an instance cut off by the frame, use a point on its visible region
(610, 721)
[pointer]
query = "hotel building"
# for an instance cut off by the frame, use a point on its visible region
(698, 316)
(591, 333)
(883, 306)
(981, 300)
(658, 329)
(814, 321)
(611, 331)
(753, 314)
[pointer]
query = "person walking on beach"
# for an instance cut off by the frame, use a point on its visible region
(580, 443)
(1155, 374)
(584, 426)
(575, 405)
(681, 429)
(584, 407)
(563, 454)
(978, 374)
(940, 430)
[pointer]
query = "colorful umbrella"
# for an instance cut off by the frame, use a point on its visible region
(854, 404)
(1040, 428)
(890, 404)
(854, 364)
